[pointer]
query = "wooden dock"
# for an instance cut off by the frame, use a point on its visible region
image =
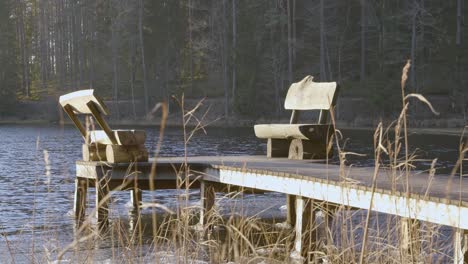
(441, 199)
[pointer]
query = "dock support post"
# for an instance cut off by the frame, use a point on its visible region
(410, 238)
(291, 210)
(135, 198)
(81, 192)
(305, 230)
(329, 212)
(102, 202)
(460, 249)
(207, 193)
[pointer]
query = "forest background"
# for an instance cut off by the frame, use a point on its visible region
(240, 54)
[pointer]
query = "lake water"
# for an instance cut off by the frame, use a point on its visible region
(37, 177)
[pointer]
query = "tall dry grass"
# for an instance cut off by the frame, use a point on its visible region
(340, 234)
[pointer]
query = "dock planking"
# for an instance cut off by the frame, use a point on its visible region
(440, 199)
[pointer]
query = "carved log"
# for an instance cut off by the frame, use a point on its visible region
(116, 153)
(277, 148)
(308, 149)
(94, 152)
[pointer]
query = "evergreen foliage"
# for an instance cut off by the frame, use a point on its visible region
(243, 51)
(8, 69)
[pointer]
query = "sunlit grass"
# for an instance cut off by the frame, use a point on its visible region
(340, 234)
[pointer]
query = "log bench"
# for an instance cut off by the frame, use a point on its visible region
(103, 145)
(303, 140)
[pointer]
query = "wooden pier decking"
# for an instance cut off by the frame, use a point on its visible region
(441, 199)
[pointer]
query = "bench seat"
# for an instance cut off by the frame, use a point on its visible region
(293, 131)
(123, 137)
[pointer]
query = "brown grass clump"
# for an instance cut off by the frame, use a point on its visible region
(339, 234)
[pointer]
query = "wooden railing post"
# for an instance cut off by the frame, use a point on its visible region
(207, 194)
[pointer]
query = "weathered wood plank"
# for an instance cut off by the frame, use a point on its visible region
(310, 95)
(94, 152)
(316, 132)
(122, 137)
(118, 154)
(78, 100)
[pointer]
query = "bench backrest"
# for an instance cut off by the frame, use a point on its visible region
(79, 100)
(310, 95)
(86, 102)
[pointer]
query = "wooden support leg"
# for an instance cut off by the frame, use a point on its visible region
(291, 213)
(460, 248)
(307, 149)
(309, 230)
(304, 240)
(410, 238)
(136, 198)
(329, 215)
(102, 202)
(296, 253)
(81, 191)
(305, 230)
(207, 194)
(277, 148)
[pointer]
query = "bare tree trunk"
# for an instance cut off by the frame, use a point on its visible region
(289, 42)
(459, 36)
(80, 46)
(382, 38)
(224, 60)
(115, 81)
(92, 48)
(132, 74)
(276, 66)
(413, 46)
(234, 43)
(294, 31)
(41, 24)
(323, 74)
(363, 41)
(72, 45)
(342, 39)
(142, 49)
(23, 49)
(458, 59)
(60, 45)
(191, 41)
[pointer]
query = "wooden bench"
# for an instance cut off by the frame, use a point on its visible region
(103, 145)
(302, 140)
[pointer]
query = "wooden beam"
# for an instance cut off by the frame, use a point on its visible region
(102, 202)
(117, 153)
(94, 152)
(100, 120)
(294, 117)
(136, 198)
(291, 210)
(69, 110)
(410, 243)
(305, 230)
(81, 193)
(323, 117)
(208, 196)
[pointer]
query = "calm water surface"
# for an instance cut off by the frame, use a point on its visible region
(37, 175)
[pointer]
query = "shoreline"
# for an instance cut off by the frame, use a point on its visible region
(447, 131)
